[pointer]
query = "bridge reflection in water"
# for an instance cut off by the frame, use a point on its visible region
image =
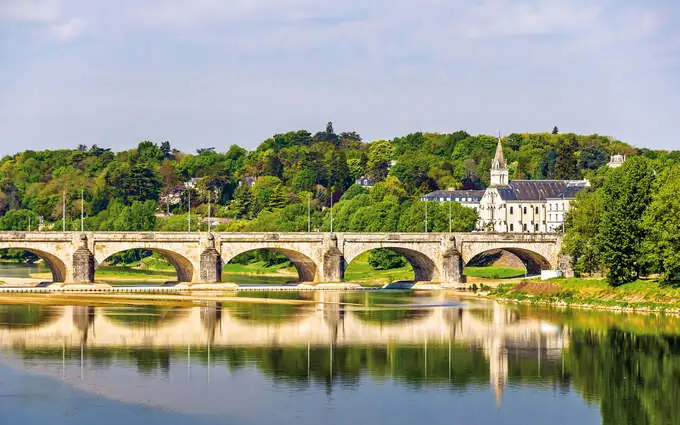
(433, 338)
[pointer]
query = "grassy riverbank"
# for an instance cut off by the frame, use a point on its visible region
(260, 269)
(492, 272)
(359, 271)
(639, 295)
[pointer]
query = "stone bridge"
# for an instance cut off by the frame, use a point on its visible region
(318, 257)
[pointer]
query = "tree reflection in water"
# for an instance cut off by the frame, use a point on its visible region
(632, 375)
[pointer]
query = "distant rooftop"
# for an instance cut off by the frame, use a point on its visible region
(538, 190)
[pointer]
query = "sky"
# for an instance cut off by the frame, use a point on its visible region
(212, 73)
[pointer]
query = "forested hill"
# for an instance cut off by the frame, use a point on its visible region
(281, 177)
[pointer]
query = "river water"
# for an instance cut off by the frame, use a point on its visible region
(329, 358)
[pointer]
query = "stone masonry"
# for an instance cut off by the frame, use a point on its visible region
(318, 257)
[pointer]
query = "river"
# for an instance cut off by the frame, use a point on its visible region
(394, 357)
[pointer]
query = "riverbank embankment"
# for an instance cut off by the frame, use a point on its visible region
(641, 295)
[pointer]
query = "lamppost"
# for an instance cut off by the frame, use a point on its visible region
(331, 210)
(425, 215)
(450, 206)
(189, 210)
(63, 211)
(82, 210)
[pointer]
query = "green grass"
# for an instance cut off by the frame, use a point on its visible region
(107, 272)
(360, 271)
(259, 268)
(641, 294)
(491, 272)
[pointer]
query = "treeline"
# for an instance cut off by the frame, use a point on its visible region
(628, 226)
(271, 187)
(292, 182)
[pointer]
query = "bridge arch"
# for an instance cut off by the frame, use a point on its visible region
(307, 269)
(533, 261)
(423, 264)
(56, 264)
(183, 266)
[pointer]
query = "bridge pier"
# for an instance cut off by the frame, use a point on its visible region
(333, 263)
(210, 268)
(452, 265)
(83, 263)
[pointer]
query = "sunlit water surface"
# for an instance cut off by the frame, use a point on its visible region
(331, 358)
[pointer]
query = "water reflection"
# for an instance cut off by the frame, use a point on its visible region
(329, 341)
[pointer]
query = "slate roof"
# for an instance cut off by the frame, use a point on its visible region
(538, 190)
(476, 195)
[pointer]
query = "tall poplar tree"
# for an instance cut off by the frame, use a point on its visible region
(626, 194)
(662, 244)
(566, 165)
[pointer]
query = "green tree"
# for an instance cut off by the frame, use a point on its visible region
(242, 204)
(582, 222)
(379, 157)
(566, 165)
(19, 220)
(661, 224)
(385, 259)
(592, 158)
(626, 193)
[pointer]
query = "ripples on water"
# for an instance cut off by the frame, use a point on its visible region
(330, 358)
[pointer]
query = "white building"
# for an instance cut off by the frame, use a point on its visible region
(516, 205)
(365, 182)
(616, 161)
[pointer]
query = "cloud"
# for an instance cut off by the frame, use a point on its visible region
(240, 70)
(67, 31)
(33, 11)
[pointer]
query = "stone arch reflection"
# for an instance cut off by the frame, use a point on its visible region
(28, 316)
(263, 308)
(144, 316)
(372, 308)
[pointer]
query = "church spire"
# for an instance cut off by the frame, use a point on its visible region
(499, 167)
(499, 160)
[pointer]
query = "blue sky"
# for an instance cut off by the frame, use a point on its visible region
(204, 73)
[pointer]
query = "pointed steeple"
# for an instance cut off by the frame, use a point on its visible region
(499, 160)
(499, 167)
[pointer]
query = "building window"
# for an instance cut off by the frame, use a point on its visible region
(525, 210)
(536, 227)
(512, 227)
(510, 210)
(524, 227)
(536, 210)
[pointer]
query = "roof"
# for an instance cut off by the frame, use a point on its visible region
(455, 194)
(537, 190)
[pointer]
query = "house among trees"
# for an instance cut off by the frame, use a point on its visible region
(469, 198)
(191, 183)
(247, 181)
(365, 182)
(516, 205)
(616, 161)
